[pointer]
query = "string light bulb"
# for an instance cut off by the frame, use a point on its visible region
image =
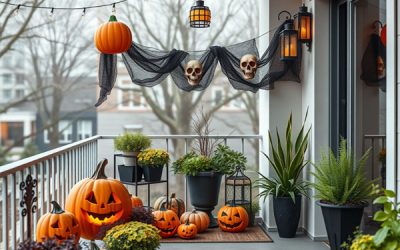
(51, 15)
(83, 13)
(113, 11)
(16, 11)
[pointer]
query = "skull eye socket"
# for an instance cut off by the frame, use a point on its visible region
(90, 197)
(224, 214)
(237, 215)
(189, 70)
(111, 199)
(252, 64)
(244, 64)
(197, 70)
(56, 224)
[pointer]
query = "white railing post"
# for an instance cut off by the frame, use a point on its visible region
(4, 207)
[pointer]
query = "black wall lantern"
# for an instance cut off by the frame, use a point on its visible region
(304, 26)
(288, 39)
(200, 15)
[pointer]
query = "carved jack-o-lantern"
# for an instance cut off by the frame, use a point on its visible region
(187, 230)
(248, 65)
(194, 72)
(98, 201)
(57, 224)
(232, 219)
(167, 222)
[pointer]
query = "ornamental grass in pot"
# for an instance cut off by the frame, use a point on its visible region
(153, 161)
(131, 144)
(343, 192)
(287, 159)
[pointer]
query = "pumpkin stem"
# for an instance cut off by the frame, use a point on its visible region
(112, 18)
(187, 222)
(56, 208)
(173, 196)
(194, 211)
(99, 173)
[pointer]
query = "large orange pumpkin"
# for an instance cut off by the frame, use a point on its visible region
(199, 218)
(233, 219)
(57, 224)
(166, 221)
(187, 230)
(136, 201)
(98, 201)
(175, 204)
(113, 37)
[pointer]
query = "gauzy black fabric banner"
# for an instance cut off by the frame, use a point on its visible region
(241, 63)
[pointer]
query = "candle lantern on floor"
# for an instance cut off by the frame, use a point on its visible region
(238, 190)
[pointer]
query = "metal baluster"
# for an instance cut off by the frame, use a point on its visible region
(42, 183)
(13, 206)
(62, 184)
(242, 145)
(21, 219)
(185, 180)
(48, 198)
(35, 169)
(74, 166)
(58, 179)
(53, 182)
(4, 219)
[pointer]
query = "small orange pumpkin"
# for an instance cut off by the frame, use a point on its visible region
(175, 204)
(57, 224)
(98, 201)
(187, 230)
(199, 218)
(232, 219)
(166, 221)
(113, 37)
(136, 201)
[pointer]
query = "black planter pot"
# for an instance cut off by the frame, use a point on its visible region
(287, 215)
(128, 174)
(341, 222)
(152, 174)
(204, 192)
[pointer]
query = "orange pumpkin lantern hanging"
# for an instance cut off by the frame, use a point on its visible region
(98, 201)
(113, 37)
(136, 201)
(199, 218)
(232, 219)
(166, 221)
(187, 230)
(58, 224)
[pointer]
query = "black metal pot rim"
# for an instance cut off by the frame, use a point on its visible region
(207, 173)
(286, 197)
(361, 205)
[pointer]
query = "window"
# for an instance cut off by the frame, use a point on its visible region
(20, 78)
(11, 134)
(7, 78)
(7, 94)
(217, 95)
(84, 129)
(65, 132)
(131, 99)
(19, 93)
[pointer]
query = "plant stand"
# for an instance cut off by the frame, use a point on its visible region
(142, 183)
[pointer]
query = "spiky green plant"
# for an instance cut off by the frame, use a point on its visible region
(342, 180)
(288, 161)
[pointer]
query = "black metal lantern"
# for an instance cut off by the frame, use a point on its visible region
(304, 25)
(200, 15)
(289, 42)
(238, 190)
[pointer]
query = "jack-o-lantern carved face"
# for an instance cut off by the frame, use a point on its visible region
(232, 218)
(167, 222)
(98, 201)
(187, 230)
(58, 224)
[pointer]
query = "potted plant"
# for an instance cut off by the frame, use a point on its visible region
(343, 192)
(152, 161)
(132, 235)
(255, 207)
(204, 168)
(131, 144)
(288, 161)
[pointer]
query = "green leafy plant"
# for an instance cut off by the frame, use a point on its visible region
(132, 235)
(288, 161)
(342, 180)
(132, 142)
(228, 160)
(388, 236)
(255, 207)
(196, 164)
(153, 157)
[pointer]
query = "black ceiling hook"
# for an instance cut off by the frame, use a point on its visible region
(289, 16)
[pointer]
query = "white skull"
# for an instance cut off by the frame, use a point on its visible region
(248, 65)
(193, 72)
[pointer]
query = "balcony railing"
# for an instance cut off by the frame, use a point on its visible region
(54, 173)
